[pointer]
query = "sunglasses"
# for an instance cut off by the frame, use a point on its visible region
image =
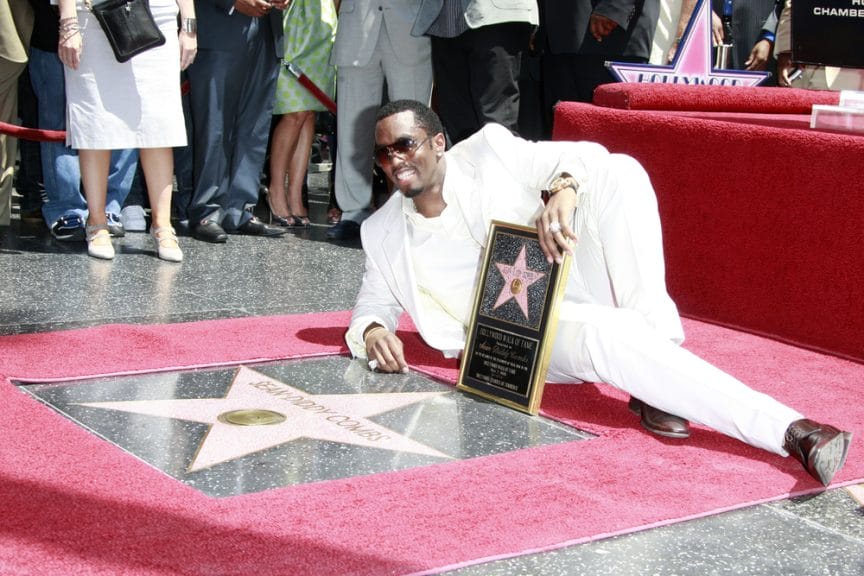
(403, 147)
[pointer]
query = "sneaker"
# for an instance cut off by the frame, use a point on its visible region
(134, 218)
(69, 228)
(115, 228)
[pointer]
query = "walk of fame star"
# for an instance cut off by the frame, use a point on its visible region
(259, 412)
(517, 278)
(692, 62)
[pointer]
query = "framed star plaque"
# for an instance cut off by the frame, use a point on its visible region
(513, 320)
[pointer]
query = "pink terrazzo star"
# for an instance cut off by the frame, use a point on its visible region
(294, 414)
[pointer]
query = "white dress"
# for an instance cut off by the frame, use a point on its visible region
(134, 104)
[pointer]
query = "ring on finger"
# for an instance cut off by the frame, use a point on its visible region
(373, 365)
(554, 227)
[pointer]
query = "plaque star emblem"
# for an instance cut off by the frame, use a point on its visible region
(259, 412)
(517, 278)
(692, 62)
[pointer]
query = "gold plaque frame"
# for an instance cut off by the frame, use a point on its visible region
(514, 319)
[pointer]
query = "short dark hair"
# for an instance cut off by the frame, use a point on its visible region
(424, 117)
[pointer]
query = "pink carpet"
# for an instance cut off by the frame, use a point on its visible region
(74, 504)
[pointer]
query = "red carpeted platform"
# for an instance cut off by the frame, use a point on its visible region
(74, 504)
(763, 218)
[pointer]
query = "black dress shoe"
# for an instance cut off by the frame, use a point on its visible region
(658, 422)
(210, 231)
(820, 448)
(254, 227)
(344, 230)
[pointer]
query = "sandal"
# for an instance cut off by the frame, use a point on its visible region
(166, 244)
(99, 242)
(298, 221)
(334, 216)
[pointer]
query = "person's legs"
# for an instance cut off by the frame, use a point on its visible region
(559, 83)
(360, 92)
(453, 87)
(617, 346)
(183, 163)
(121, 174)
(28, 181)
(495, 60)
(619, 255)
(283, 145)
(9, 72)
(94, 177)
(251, 126)
(298, 167)
(214, 104)
(158, 165)
(60, 167)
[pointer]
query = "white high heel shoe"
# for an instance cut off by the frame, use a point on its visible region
(99, 242)
(166, 244)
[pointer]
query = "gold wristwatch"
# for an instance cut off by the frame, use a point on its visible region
(564, 180)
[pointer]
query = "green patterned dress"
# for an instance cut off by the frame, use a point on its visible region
(310, 29)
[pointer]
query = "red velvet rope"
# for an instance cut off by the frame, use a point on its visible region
(33, 133)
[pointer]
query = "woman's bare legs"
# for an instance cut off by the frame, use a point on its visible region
(158, 166)
(94, 176)
(282, 146)
(299, 164)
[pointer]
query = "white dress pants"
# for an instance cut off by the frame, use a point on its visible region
(618, 325)
(360, 90)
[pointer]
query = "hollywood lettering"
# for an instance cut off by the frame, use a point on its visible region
(660, 78)
(299, 400)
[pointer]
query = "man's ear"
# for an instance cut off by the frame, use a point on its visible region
(440, 143)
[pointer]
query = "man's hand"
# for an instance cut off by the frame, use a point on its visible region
(717, 35)
(384, 350)
(253, 8)
(759, 55)
(600, 26)
(557, 214)
(784, 67)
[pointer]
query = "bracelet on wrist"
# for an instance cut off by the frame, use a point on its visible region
(563, 182)
(69, 35)
(371, 331)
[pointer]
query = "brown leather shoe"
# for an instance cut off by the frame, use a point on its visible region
(820, 448)
(659, 422)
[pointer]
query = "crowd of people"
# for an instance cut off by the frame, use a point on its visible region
(247, 118)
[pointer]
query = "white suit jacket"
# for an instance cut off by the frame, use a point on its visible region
(360, 24)
(497, 176)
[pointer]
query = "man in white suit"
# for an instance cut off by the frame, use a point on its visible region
(477, 50)
(617, 323)
(373, 46)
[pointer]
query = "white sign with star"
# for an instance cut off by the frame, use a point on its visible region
(259, 412)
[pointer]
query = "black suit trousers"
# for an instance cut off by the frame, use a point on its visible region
(477, 77)
(231, 97)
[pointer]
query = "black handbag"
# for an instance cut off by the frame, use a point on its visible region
(129, 26)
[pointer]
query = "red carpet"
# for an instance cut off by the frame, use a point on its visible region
(74, 504)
